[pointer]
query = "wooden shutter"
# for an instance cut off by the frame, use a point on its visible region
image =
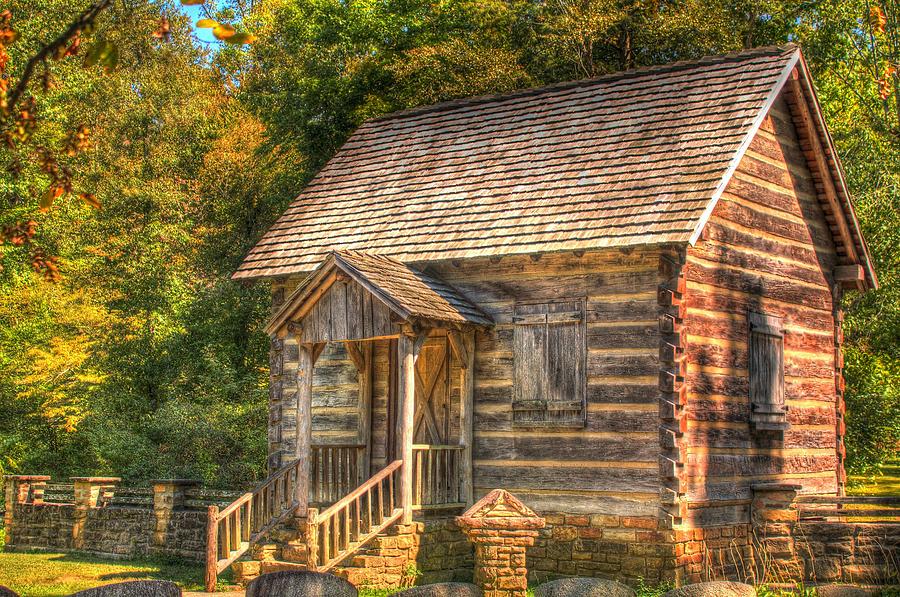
(766, 372)
(549, 361)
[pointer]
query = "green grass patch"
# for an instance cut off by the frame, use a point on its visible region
(58, 574)
(887, 483)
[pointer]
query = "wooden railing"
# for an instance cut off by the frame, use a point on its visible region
(335, 470)
(829, 508)
(231, 531)
(338, 531)
(436, 476)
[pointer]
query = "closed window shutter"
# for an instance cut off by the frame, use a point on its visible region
(766, 372)
(549, 360)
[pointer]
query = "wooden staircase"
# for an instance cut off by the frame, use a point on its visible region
(330, 536)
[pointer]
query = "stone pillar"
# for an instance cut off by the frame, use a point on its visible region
(168, 495)
(773, 517)
(501, 528)
(90, 492)
(21, 489)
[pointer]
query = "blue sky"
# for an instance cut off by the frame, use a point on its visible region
(196, 13)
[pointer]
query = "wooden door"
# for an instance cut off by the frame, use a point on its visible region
(432, 413)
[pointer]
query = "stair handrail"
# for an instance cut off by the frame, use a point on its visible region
(343, 546)
(248, 519)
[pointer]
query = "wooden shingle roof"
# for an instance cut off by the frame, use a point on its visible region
(409, 293)
(634, 158)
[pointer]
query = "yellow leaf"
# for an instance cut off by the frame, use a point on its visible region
(222, 31)
(207, 24)
(241, 38)
(192, 2)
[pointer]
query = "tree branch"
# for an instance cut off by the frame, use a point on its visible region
(84, 20)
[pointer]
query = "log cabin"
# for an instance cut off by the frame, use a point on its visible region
(617, 298)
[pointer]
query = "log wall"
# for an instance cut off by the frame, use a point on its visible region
(610, 466)
(767, 248)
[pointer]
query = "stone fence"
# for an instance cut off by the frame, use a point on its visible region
(162, 525)
(826, 539)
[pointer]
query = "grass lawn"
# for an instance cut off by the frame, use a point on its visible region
(886, 484)
(58, 574)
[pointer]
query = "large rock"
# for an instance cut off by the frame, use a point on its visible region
(442, 589)
(300, 584)
(583, 587)
(847, 591)
(7, 592)
(134, 588)
(719, 588)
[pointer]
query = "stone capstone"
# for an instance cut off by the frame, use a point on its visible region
(583, 587)
(847, 591)
(300, 584)
(443, 589)
(714, 589)
(135, 588)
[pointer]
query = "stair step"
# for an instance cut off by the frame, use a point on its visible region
(295, 551)
(280, 566)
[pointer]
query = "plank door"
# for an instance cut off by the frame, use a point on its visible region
(433, 413)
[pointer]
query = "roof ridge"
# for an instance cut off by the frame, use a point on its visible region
(604, 78)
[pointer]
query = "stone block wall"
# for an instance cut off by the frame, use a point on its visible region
(90, 524)
(624, 548)
(424, 551)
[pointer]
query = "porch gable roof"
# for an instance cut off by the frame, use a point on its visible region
(409, 294)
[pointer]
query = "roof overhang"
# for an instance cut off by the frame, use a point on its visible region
(437, 305)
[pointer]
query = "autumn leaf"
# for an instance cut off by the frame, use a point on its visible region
(90, 200)
(192, 2)
(207, 23)
(223, 31)
(241, 38)
(163, 30)
(877, 19)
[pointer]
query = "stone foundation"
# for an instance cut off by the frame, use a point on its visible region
(424, 551)
(622, 548)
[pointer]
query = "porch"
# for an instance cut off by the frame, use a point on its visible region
(413, 338)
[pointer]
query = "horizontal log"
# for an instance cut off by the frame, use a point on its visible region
(726, 326)
(720, 232)
(600, 364)
(523, 447)
(713, 299)
(747, 217)
(892, 500)
(894, 515)
(550, 264)
(699, 435)
(758, 284)
(573, 502)
(706, 384)
(749, 465)
(715, 355)
(625, 480)
(739, 257)
(596, 421)
(713, 515)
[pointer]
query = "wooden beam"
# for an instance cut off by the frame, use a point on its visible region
(408, 348)
(458, 347)
(822, 166)
(356, 355)
(366, 383)
(466, 417)
(849, 276)
(317, 351)
(305, 364)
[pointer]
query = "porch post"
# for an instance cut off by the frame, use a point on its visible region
(365, 409)
(305, 365)
(466, 416)
(408, 351)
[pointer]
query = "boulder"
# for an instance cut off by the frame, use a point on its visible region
(298, 583)
(442, 589)
(719, 588)
(847, 591)
(134, 588)
(583, 587)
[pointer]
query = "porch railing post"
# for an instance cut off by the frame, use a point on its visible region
(407, 347)
(466, 417)
(304, 426)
